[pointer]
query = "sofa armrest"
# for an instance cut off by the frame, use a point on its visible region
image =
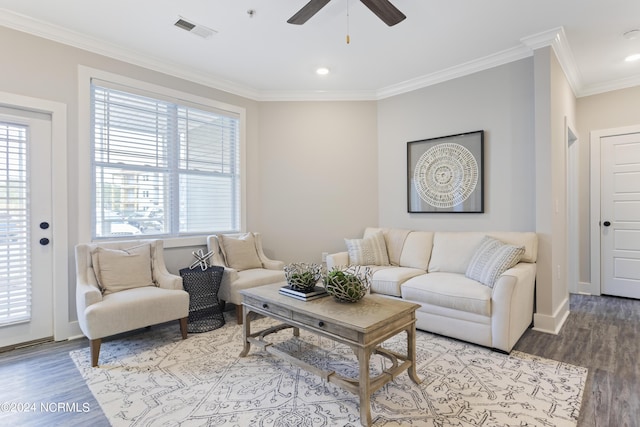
(166, 280)
(337, 259)
(231, 274)
(512, 305)
(271, 264)
(268, 263)
(87, 291)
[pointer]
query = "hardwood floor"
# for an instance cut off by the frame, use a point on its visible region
(601, 333)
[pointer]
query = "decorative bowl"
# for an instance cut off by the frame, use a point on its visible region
(302, 276)
(348, 284)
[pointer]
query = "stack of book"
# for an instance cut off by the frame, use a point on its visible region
(316, 292)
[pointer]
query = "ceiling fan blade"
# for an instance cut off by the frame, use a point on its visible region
(385, 11)
(307, 11)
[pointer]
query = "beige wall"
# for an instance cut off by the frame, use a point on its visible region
(319, 176)
(498, 101)
(619, 108)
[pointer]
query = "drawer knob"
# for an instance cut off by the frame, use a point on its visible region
(265, 305)
(321, 323)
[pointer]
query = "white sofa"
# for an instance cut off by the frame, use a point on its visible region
(430, 269)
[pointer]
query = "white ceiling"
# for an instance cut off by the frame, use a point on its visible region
(263, 57)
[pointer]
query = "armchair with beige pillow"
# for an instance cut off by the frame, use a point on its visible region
(245, 265)
(125, 285)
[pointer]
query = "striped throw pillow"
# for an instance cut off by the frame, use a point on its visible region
(371, 250)
(491, 259)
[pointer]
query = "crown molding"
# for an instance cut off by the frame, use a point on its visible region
(317, 96)
(481, 64)
(599, 88)
(557, 40)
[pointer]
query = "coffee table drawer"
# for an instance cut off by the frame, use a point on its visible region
(321, 325)
(267, 306)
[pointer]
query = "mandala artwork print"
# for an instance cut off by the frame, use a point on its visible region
(446, 175)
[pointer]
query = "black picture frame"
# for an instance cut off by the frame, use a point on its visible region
(446, 174)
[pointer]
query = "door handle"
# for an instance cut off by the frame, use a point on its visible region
(606, 223)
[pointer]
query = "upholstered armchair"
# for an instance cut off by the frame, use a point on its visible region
(245, 266)
(125, 285)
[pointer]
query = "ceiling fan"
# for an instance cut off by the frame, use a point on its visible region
(382, 8)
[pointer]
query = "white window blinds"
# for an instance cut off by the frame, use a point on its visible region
(162, 167)
(15, 285)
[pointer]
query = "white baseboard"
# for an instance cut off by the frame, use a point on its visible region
(552, 324)
(584, 288)
(73, 331)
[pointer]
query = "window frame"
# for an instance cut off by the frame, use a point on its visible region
(85, 170)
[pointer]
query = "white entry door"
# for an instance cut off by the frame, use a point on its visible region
(26, 257)
(620, 215)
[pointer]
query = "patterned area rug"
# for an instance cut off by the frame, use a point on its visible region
(157, 379)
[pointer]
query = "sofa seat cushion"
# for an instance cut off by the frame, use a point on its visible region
(122, 311)
(234, 281)
(449, 290)
(257, 277)
(388, 280)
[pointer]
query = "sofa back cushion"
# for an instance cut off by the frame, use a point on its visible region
(528, 239)
(416, 251)
(452, 251)
(121, 269)
(240, 251)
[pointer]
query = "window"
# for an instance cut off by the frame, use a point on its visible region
(15, 286)
(162, 166)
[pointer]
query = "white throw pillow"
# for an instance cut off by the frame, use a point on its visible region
(371, 250)
(240, 252)
(121, 269)
(491, 259)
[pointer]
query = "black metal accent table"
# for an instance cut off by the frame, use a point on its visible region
(205, 312)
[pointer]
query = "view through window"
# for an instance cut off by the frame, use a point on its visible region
(15, 286)
(161, 167)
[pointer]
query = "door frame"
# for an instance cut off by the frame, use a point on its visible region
(573, 234)
(59, 201)
(595, 182)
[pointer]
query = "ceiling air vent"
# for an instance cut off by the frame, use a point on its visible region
(193, 28)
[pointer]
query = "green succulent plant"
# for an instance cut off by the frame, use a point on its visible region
(302, 276)
(348, 285)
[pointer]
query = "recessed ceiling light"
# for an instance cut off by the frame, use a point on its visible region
(631, 34)
(632, 58)
(322, 71)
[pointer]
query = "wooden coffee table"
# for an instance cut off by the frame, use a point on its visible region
(363, 326)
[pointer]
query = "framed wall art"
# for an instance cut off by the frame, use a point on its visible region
(445, 174)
